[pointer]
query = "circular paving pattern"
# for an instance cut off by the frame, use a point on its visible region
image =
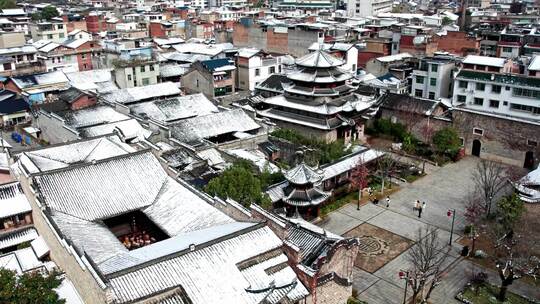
(372, 245)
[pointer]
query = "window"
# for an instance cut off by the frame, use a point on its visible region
(7, 66)
(478, 101)
(493, 103)
(496, 88)
(477, 131)
(462, 141)
(129, 77)
(61, 35)
(49, 36)
(434, 68)
(532, 143)
(30, 57)
(461, 98)
(433, 82)
(505, 103)
(197, 83)
(151, 67)
(507, 49)
(526, 93)
(463, 84)
(60, 26)
(431, 95)
(257, 72)
(480, 86)
(272, 70)
(419, 79)
(143, 69)
(145, 81)
(418, 93)
(83, 56)
(354, 67)
(85, 66)
(524, 108)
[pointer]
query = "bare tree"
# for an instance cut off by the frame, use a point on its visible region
(386, 165)
(514, 261)
(474, 211)
(490, 179)
(427, 260)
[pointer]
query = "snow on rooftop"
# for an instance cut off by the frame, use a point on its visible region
(256, 157)
(397, 57)
(484, 60)
(12, 200)
(176, 108)
(131, 95)
(92, 116)
(248, 52)
(203, 49)
(535, 64)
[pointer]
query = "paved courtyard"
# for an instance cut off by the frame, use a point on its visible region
(442, 189)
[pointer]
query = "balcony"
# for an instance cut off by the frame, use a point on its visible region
(223, 82)
(15, 222)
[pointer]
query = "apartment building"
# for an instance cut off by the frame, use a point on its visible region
(54, 31)
(433, 78)
(365, 8)
(135, 73)
(254, 66)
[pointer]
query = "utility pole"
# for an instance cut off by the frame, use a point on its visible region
(452, 213)
(404, 275)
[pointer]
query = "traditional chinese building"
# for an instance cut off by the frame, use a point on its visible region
(319, 100)
(303, 193)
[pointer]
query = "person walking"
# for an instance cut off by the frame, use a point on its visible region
(387, 201)
(416, 205)
(420, 211)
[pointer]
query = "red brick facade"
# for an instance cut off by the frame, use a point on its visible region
(458, 43)
(83, 101)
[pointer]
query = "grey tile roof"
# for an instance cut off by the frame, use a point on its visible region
(104, 189)
(194, 129)
(176, 108)
(61, 156)
(12, 200)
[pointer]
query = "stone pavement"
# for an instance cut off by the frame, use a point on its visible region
(443, 189)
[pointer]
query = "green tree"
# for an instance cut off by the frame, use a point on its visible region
(48, 13)
(240, 184)
(510, 209)
(446, 21)
(446, 140)
(8, 4)
(29, 288)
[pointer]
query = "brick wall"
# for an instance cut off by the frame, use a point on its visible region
(457, 43)
(277, 42)
(503, 140)
(240, 35)
(156, 30)
(84, 102)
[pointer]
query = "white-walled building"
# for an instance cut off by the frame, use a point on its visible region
(433, 79)
(52, 31)
(345, 51)
(364, 8)
(254, 67)
(483, 84)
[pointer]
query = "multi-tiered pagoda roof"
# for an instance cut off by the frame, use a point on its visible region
(319, 94)
(304, 187)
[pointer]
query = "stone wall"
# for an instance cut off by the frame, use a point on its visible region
(421, 126)
(53, 129)
(503, 140)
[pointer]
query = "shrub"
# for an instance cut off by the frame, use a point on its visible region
(446, 140)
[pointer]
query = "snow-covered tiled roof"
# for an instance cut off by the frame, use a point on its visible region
(248, 52)
(319, 59)
(256, 157)
(105, 189)
(75, 43)
(92, 116)
(48, 47)
(17, 237)
(62, 156)
(132, 95)
(12, 200)
(128, 129)
(484, 60)
(303, 174)
(201, 127)
(169, 110)
(211, 274)
(203, 49)
(535, 64)
(43, 79)
(349, 162)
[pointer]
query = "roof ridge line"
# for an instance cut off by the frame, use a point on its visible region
(87, 164)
